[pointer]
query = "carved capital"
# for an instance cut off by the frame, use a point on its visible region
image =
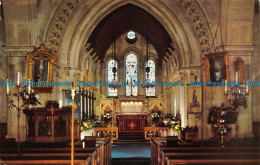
(238, 50)
(199, 22)
(17, 51)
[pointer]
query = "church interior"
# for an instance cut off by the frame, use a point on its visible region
(130, 82)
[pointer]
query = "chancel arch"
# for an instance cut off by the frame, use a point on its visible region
(85, 34)
(181, 35)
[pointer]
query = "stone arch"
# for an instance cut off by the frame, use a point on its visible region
(180, 29)
(131, 49)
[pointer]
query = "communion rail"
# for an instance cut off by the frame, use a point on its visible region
(104, 132)
(151, 132)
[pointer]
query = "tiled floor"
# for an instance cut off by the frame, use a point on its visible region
(131, 150)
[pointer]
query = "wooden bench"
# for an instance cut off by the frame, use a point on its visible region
(161, 154)
(88, 157)
(100, 154)
(103, 148)
(207, 153)
(212, 159)
(58, 162)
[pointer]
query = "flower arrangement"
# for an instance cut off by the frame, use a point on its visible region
(155, 116)
(175, 122)
(107, 116)
(31, 99)
(85, 125)
(91, 122)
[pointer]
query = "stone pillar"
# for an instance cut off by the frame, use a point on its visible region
(141, 78)
(164, 88)
(245, 114)
(255, 65)
(173, 101)
(103, 78)
(16, 63)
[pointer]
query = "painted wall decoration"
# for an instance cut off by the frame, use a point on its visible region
(217, 69)
(194, 99)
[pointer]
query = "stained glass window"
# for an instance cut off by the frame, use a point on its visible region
(150, 77)
(131, 73)
(111, 77)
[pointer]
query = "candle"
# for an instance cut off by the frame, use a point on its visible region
(7, 87)
(18, 78)
(29, 87)
(247, 89)
(73, 94)
(237, 75)
(225, 87)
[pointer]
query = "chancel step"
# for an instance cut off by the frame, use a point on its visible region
(128, 161)
(131, 136)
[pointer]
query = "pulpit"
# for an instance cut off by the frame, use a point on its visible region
(47, 126)
(131, 123)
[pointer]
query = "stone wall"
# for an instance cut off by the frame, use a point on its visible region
(255, 63)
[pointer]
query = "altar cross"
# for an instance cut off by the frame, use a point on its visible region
(132, 125)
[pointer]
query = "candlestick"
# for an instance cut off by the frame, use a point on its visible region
(7, 87)
(247, 89)
(237, 75)
(72, 94)
(29, 87)
(226, 89)
(18, 78)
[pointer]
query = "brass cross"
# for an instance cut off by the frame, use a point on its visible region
(132, 125)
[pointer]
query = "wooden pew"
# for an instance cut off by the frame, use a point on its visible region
(212, 159)
(172, 155)
(36, 155)
(55, 162)
(161, 153)
(103, 148)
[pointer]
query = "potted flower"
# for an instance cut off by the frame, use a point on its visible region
(107, 116)
(175, 125)
(155, 116)
(88, 124)
(30, 99)
(107, 119)
(175, 122)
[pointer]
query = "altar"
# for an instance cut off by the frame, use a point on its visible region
(131, 122)
(131, 114)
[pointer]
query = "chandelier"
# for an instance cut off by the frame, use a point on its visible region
(239, 93)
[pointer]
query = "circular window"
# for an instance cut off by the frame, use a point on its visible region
(131, 37)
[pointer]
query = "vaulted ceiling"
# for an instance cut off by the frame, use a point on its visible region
(123, 19)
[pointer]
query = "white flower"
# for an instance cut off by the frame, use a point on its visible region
(36, 96)
(26, 96)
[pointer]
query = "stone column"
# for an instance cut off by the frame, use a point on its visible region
(141, 78)
(164, 88)
(103, 78)
(245, 114)
(173, 101)
(16, 63)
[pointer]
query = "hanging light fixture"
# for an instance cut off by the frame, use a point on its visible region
(114, 68)
(147, 69)
(147, 84)
(114, 85)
